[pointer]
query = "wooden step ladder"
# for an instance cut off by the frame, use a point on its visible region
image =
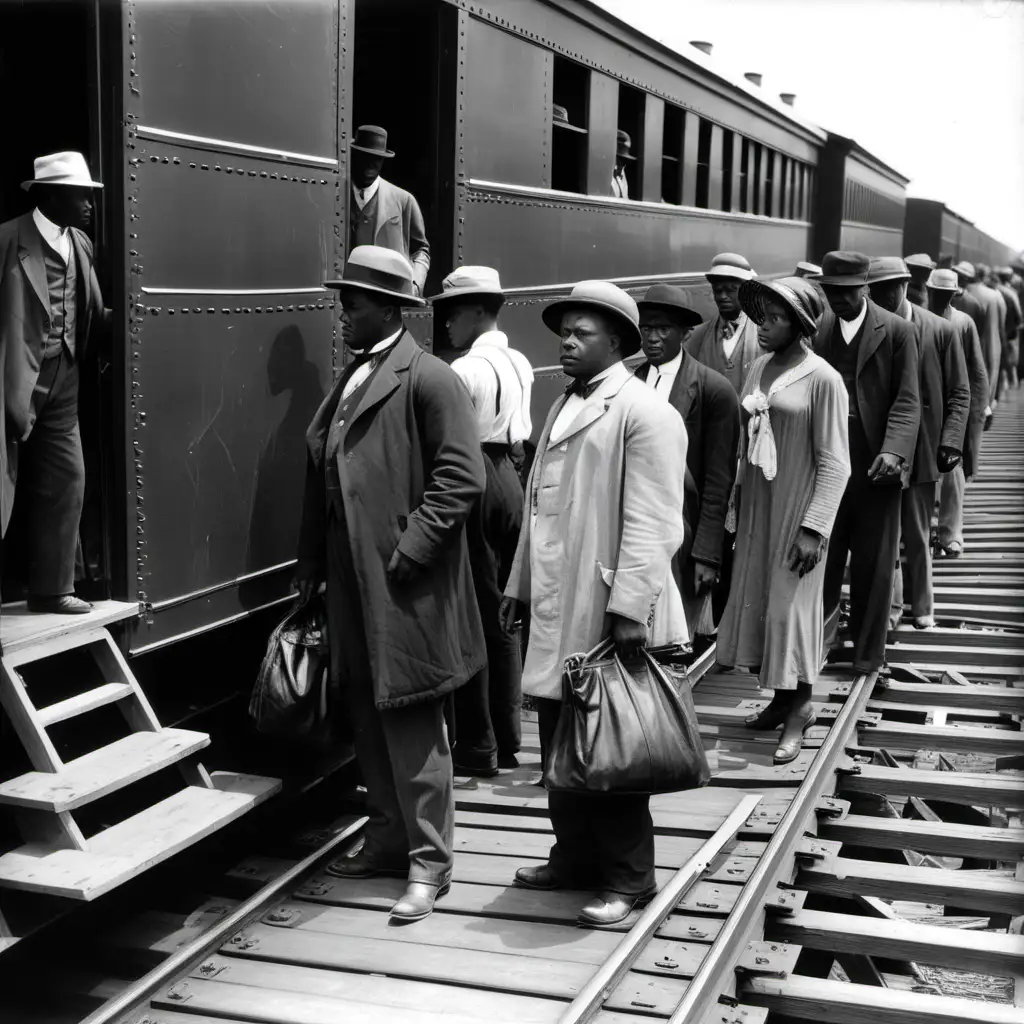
(57, 858)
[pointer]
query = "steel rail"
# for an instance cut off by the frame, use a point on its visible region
(201, 946)
(710, 980)
(595, 993)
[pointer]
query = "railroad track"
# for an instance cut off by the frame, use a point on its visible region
(836, 888)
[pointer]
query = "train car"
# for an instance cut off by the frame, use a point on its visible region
(933, 228)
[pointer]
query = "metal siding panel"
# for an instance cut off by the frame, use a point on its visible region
(602, 124)
(654, 133)
(715, 169)
(869, 239)
(737, 170)
(507, 134)
(691, 142)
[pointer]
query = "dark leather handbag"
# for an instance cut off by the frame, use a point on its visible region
(292, 698)
(624, 728)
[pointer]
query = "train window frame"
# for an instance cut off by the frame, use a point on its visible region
(570, 88)
(744, 177)
(728, 135)
(703, 168)
(631, 116)
(673, 133)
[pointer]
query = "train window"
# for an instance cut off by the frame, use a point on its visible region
(571, 88)
(703, 163)
(632, 103)
(727, 168)
(744, 201)
(672, 155)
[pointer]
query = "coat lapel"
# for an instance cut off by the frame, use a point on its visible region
(684, 387)
(387, 207)
(30, 252)
(873, 330)
(84, 274)
(591, 411)
(385, 381)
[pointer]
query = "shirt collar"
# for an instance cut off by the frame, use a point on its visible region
(496, 339)
(672, 367)
(52, 234)
(906, 310)
(851, 327)
(387, 342)
(615, 373)
(364, 195)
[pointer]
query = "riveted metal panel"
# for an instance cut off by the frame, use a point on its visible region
(602, 123)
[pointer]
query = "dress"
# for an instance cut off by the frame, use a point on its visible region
(774, 617)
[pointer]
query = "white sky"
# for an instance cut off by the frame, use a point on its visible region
(934, 88)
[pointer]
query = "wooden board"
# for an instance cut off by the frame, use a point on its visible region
(956, 787)
(20, 628)
(947, 838)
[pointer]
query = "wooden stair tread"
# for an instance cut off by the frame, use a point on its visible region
(20, 628)
(81, 703)
(137, 843)
(102, 771)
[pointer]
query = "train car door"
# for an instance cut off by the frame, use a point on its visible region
(233, 206)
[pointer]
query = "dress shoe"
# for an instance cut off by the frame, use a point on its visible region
(63, 604)
(793, 736)
(507, 760)
(924, 622)
(770, 717)
(540, 877)
(418, 901)
(363, 865)
(954, 549)
(611, 908)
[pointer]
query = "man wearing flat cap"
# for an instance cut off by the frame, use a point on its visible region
(382, 213)
(919, 265)
(945, 408)
(500, 382)
(623, 155)
(50, 305)
(711, 412)
(876, 354)
(605, 501)
(394, 470)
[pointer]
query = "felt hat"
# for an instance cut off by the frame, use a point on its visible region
(606, 298)
(623, 145)
(807, 269)
(943, 281)
(372, 139)
(730, 264)
(887, 268)
(670, 299)
(67, 168)
(560, 119)
(379, 271)
(920, 259)
(754, 295)
(966, 270)
(844, 268)
(465, 281)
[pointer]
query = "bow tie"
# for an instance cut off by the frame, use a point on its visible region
(577, 387)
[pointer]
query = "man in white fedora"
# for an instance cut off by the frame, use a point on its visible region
(50, 303)
(500, 382)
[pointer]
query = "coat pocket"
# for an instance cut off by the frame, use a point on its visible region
(608, 575)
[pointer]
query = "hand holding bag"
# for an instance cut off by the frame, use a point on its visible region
(624, 729)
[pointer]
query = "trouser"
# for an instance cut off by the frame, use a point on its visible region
(951, 507)
(51, 480)
(720, 592)
(602, 841)
(403, 752)
(915, 579)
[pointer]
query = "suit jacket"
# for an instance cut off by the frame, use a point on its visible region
(704, 346)
(945, 392)
(399, 226)
(977, 375)
(410, 469)
(990, 331)
(1013, 311)
(711, 413)
(888, 379)
(24, 327)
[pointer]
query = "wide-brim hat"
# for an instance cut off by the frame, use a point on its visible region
(810, 291)
(920, 259)
(672, 300)
(560, 119)
(379, 271)
(887, 268)
(623, 145)
(844, 268)
(966, 270)
(68, 168)
(941, 280)
(465, 282)
(372, 139)
(730, 264)
(606, 298)
(754, 296)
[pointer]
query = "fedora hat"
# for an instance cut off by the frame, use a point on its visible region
(67, 168)
(754, 296)
(943, 281)
(966, 270)
(668, 298)
(465, 281)
(606, 298)
(844, 268)
(920, 259)
(887, 268)
(379, 271)
(560, 119)
(730, 264)
(372, 139)
(623, 145)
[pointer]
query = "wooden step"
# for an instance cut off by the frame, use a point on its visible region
(21, 629)
(81, 703)
(993, 790)
(102, 771)
(137, 843)
(951, 738)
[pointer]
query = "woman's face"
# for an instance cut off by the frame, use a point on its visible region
(778, 330)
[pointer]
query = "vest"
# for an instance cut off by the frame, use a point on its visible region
(844, 359)
(364, 221)
(62, 286)
(345, 407)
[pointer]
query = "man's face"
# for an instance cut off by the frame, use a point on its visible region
(726, 293)
(589, 344)
(68, 206)
(364, 321)
(365, 168)
(462, 321)
(845, 299)
(661, 336)
(889, 294)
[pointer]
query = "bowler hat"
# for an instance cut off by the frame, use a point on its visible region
(560, 119)
(943, 281)
(920, 259)
(606, 298)
(887, 268)
(672, 300)
(68, 168)
(844, 268)
(966, 270)
(466, 281)
(730, 264)
(754, 295)
(379, 271)
(372, 139)
(623, 145)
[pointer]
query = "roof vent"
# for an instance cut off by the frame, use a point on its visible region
(788, 98)
(754, 77)
(702, 44)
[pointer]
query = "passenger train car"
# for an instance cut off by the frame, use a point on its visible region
(933, 228)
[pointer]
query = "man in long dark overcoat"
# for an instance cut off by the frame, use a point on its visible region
(394, 470)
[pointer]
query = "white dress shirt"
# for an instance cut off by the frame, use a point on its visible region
(364, 195)
(489, 360)
(906, 310)
(57, 238)
(607, 381)
(851, 327)
(661, 378)
(620, 186)
(729, 343)
(362, 371)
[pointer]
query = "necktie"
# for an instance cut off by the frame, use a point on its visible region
(728, 329)
(577, 387)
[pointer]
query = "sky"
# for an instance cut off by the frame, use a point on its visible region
(934, 88)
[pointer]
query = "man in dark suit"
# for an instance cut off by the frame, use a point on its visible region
(876, 353)
(710, 410)
(382, 213)
(919, 265)
(945, 406)
(394, 470)
(50, 303)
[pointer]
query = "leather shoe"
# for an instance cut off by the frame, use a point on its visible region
(539, 877)
(418, 901)
(62, 604)
(363, 865)
(610, 908)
